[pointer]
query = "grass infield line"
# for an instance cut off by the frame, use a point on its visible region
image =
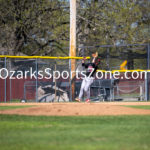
(14, 107)
(138, 106)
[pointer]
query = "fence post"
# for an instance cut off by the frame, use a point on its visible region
(141, 93)
(55, 85)
(24, 92)
(10, 81)
(5, 82)
(148, 74)
(36, 82)
(146, 88)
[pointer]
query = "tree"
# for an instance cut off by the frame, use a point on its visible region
(105, 22)
(41, 27)
(35, 27)
(110, 22)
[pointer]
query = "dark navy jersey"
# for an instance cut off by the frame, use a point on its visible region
(90, 69)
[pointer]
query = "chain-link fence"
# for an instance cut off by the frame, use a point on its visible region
(135, 86)
(48, 80)
(33, 80)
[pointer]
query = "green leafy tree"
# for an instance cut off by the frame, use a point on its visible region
(35, 27)
(108, 22)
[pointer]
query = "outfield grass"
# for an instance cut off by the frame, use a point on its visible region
(74, 133)
(138, 106)
(14, 107)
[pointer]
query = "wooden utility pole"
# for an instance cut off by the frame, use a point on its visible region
(73, 44)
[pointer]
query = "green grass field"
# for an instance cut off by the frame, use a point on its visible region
(139, 106)
(13, 107)
(74, 133)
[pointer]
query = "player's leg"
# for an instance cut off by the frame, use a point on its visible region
(81, 90)
(87, 88)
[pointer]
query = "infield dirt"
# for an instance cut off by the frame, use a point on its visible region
(77, 109)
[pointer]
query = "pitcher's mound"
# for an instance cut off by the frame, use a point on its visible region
(77, 109)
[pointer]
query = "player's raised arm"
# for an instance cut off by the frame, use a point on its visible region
(95, 55)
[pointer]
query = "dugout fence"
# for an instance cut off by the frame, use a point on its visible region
(22, 83)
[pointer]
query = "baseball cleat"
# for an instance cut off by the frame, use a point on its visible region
(77, 99)
(87, 100)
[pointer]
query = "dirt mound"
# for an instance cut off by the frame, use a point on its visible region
(77, 109)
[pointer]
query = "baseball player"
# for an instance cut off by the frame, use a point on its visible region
(89, 78)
